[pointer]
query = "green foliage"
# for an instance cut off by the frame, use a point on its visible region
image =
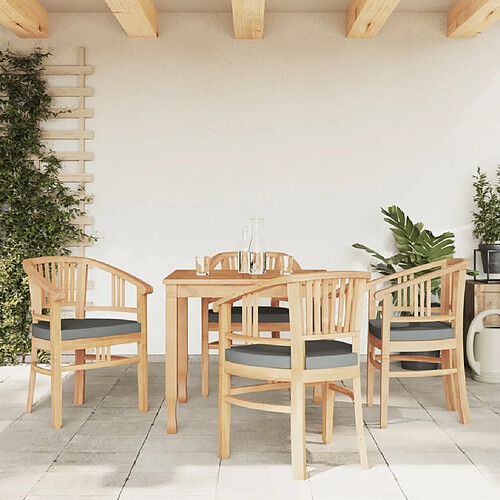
(36, 209)
(486, 218)
(415, 245)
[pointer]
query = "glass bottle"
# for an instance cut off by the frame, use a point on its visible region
(257, 249)
(243, 252)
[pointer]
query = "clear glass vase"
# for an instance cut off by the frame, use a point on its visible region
(243, 260)
(257, 249)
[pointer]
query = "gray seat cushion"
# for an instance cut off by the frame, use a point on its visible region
(267, 314)
(72, 329)
(319, 354)
(418, 330)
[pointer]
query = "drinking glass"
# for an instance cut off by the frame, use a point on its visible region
(286, 264)
(203, 265)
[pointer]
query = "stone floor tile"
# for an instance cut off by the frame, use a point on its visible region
(447, 475)
(180, 483)
(20, 481)
(273, 480)
(71, 461)
(172, 462)
(105, 443)
(80, 483)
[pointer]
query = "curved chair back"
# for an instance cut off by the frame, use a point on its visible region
(323, 306)
(434, 289)
(229, 261)
(64, 279)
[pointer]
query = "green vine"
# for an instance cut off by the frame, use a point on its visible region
(37, 211)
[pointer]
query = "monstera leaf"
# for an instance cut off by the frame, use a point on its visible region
(415, 245)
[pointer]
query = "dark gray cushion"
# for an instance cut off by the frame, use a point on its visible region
(72, 329)
(418, 330)
(319, 354)
(267, 314)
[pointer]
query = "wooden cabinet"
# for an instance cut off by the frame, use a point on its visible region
(480, 297)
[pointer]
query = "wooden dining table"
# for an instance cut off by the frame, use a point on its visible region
(181, 285)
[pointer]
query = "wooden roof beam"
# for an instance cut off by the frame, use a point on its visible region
(248, 19)
(365, 18)
(26, 18)
(468, 18)
(139, 18)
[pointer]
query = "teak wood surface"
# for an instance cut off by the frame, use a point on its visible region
(61, 281)
(179, 286)
(410, 292)
(229, 261)
(323, 306)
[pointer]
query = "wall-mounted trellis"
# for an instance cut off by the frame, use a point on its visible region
(68, 135)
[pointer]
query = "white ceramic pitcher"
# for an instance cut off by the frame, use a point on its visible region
(483, 348)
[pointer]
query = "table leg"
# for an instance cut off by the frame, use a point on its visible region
(171, 357)
(182, 342)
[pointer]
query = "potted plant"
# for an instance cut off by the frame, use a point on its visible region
(486, 220)
(415, 245)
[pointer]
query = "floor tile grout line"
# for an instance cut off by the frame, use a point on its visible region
(464, 453)
(23, 412)
(218, 476)
(386, 462)
(367, 427)
(75, 433)
(141, 447)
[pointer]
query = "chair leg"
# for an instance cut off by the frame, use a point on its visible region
(318, 393)
(79, 392)
(370, 375)
(449, 381)
(327, 410)
(463, 402)
(31, 385)
(275, 303)
(384, 391)
(204, 348)
(56, 389)
(224, 415)
(142, 377)
(360, 429)
(298, 430)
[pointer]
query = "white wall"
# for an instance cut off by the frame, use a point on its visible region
(195, 132)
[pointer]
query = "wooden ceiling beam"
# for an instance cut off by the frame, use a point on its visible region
(248, 19)
(365, 18)
(26, 18)
(139, 18)
(468, 18)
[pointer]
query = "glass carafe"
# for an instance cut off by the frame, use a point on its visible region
(257, 249)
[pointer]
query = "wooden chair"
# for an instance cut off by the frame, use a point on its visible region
(410, 322)
(60, 282)
(324, 307)
(273, 318)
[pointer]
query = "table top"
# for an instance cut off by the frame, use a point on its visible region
(188, 276)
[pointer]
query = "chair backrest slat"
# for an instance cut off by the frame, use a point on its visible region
(431, 297)
(229, 261)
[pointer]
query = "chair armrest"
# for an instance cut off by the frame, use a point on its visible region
(406, 272)
(55, 293)
(142, 286)
(385, 292)
(267, 284)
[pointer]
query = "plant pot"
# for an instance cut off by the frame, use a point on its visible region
(490, 260)
(419, 365)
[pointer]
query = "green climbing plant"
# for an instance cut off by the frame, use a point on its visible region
(37, 211)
